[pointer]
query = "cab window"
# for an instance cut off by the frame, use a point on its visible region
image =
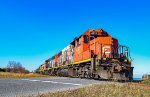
(79, 42)
(86, 38)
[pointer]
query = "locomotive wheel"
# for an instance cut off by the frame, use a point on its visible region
(92, 76)
(85, 74)
(110, 73)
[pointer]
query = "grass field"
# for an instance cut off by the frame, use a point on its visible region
(109, 90)
(19, 75)
(146, 81)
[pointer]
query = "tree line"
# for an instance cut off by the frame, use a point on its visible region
(15, 67)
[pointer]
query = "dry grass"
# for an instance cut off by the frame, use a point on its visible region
(19, 75)
(109, 90)
(146, 81)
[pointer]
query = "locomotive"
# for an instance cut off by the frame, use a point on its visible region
(94, 54)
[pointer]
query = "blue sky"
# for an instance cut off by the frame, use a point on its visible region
(33, 30)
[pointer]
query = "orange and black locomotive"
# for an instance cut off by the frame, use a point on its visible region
(94, 54)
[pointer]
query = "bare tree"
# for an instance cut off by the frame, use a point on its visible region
(16, 67)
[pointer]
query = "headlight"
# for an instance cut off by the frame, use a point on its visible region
(125, 60)
(104, 59)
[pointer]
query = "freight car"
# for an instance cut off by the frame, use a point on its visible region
(94, 54)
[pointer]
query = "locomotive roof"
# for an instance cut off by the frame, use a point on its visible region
(76, 39)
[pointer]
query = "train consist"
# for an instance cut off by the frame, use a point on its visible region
(94, 54)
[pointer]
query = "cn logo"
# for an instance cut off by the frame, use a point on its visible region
(106, 49)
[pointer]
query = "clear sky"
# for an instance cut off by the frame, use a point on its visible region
(33, 30)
